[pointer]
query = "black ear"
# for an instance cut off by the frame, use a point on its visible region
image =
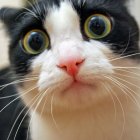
(9, 15)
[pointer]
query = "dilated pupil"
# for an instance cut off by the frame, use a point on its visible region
(97, 25)
(36, 41)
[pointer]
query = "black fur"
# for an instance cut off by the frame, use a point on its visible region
(124, 36)
(11, 112)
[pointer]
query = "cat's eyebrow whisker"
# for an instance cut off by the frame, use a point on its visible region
(122, 108)
(32, 100)
(33, 6)
(31, 12)
(45, 12)
(37, 7)
(23, 94)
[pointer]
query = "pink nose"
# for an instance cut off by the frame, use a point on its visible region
(71, 65)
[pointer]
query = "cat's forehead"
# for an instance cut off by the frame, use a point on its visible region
(80, 5)
(62, 20)
(64, 17)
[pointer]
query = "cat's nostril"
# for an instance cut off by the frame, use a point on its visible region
(71, 66)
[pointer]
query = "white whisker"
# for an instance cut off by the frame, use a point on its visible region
(37, 96)
(17, 82)
(127, 56)
(42, 96)
(128, 71)
(114, 103)
(23, 94)
(56, 125)
(123, 112)
(123, 88)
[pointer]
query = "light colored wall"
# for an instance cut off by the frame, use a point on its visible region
(3, 38)
(135, 8)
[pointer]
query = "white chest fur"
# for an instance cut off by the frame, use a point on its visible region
(102, 122)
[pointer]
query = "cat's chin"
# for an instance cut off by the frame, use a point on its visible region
(77, 96)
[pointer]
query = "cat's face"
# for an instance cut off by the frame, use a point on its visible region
(75, 51)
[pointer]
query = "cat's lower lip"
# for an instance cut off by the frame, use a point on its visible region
(79, 86)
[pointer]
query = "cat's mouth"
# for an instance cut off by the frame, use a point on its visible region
(79, 87)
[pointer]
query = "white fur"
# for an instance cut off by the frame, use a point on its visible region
(87, 113)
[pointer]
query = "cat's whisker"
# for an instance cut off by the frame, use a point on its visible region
(126, 82)
(32, 100)
(21, 76)
(115, 67)
(120, 67)
(18, 82)
(133, 77)
(128, 71)
(53, 118)
(123, 112)
(114, 103)
(23, 94)
(123, 57)
(6, 97)
(42, 96)
(129, 91)
(123, 88)
(38, 101)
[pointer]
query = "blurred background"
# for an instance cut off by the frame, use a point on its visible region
(134, 7)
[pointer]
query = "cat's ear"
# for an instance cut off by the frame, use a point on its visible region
(8, 15)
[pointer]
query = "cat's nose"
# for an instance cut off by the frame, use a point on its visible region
(70, 57)
(71, 65)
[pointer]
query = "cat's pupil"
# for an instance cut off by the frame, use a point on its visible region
(36, 41)
(97, 25)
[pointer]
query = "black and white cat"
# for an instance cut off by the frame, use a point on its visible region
(75, 65)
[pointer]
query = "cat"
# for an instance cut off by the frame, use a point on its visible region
(75, 66)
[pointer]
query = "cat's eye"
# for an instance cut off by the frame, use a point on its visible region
(35, 41)
(97, 26)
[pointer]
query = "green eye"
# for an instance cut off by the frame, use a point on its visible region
(97, 26)
(35, 42)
